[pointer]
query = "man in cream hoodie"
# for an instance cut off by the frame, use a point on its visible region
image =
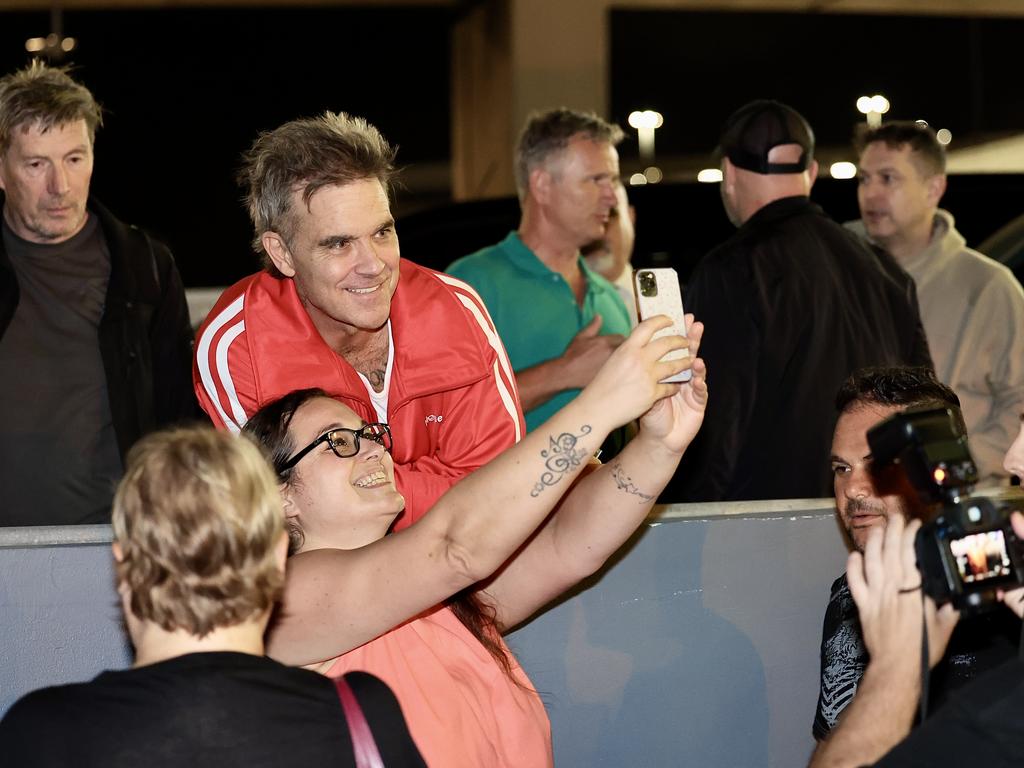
(972, 307)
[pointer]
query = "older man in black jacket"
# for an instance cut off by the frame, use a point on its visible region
(95, 340)
(793, 304)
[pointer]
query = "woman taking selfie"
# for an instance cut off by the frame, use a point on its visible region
(358, 599)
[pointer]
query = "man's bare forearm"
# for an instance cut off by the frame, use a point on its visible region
(541, 382)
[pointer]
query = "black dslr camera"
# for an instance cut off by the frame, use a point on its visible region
(968, 549)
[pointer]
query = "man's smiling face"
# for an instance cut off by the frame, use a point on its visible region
(344, 255)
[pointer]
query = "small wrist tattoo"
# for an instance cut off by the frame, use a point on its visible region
(562, 456)
(625, 483)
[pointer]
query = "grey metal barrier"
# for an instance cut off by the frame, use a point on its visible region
(698, 645)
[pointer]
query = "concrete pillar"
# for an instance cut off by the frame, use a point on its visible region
(509, 58)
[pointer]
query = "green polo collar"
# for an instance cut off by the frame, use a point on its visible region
(523, 258)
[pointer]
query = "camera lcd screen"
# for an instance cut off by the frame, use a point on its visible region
(981, 556)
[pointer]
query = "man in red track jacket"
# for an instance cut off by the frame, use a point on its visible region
(337, 308)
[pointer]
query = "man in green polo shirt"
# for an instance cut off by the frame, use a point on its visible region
(558, 319)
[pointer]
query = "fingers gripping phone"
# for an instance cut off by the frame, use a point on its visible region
(657, 293)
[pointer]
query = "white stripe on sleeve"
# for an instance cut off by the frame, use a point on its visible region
(478, 310)
(224, 372)
(226, 315)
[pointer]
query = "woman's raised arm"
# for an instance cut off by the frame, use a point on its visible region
(337, 599)
(604, 509)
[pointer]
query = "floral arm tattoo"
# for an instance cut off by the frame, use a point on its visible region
(625, 483)
(562, 456)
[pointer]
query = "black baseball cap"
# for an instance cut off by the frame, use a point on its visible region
(753, 130)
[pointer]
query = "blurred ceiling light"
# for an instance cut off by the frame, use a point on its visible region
(645, 123)
(637, 179)
(873, 107)
(646, 119)
(944, 136)
(710, 176)
(653, 174)
(843, 170)
(53, 46)
(922, 122)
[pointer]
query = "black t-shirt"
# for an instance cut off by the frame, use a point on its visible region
(205, 709)
(981, 725)
(59, 458)
(979, 644)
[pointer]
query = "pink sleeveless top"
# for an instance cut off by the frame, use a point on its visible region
(462, 709)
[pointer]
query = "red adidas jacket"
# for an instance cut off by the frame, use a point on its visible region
(452, 405)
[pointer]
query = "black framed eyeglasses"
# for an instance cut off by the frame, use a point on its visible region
(345, 442)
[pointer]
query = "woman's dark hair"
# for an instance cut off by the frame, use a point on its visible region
(268, 428)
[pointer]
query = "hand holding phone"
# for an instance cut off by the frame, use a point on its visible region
(657, 293)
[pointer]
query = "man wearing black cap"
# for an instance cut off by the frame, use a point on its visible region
(792, 304)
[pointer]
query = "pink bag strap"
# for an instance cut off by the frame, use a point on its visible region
(365, 748)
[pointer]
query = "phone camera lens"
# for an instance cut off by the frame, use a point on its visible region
(648, 284)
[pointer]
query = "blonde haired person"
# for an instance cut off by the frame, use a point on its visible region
(199, 546)
(357, 599)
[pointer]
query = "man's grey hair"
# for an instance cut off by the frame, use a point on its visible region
(548, 133)
(44, 96)
(308, 154)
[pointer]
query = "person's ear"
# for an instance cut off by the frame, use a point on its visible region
(728, 172)
(120, 586)
(279, 253)
(287, 500)
(281, 551)
(936, 186)
(541, 182)
(812, 174)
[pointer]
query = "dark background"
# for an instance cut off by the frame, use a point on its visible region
(187, 90)
(956, 73)
(678, 223)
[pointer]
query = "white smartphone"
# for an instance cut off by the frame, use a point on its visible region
(657, 293)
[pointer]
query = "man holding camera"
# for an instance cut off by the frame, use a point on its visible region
(981, 726)
(868, 497)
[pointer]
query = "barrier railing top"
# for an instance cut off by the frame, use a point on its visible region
(83, 535)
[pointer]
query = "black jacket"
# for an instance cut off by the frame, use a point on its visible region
(793, 304)
(145, 336)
